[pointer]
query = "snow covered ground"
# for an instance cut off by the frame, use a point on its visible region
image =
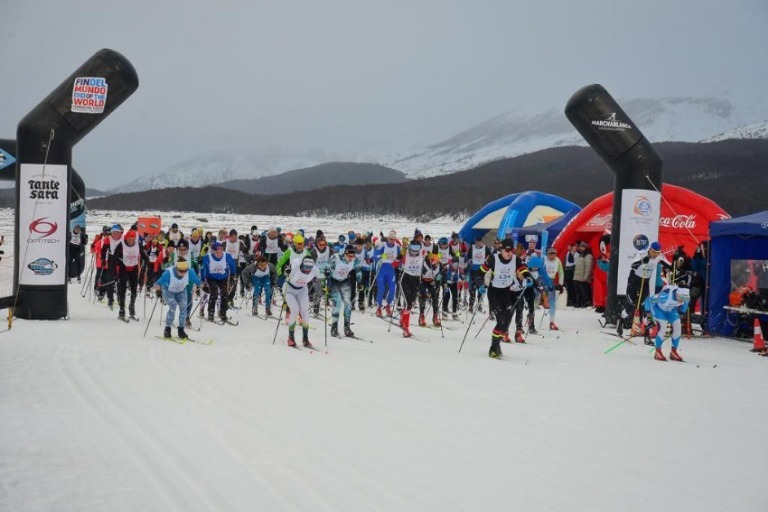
(94, 416)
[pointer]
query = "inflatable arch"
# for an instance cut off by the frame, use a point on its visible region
(684, 221)
(507, 216)
(47, 190)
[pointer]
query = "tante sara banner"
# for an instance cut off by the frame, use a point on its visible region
(640, 213)
(43, 224)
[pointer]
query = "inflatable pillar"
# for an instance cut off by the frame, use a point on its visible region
(638, 175)
(45, 138)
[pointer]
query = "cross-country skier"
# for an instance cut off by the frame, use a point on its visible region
(263, 276)
(127, 258)
(321, 253)
(499, 277)
(218, 268)
(388, 256)
(477, 255)
(339, 276)
(431, 277)
(554, 268)
(173, 286)
(410, 281)
(666, 307)
(300, 272)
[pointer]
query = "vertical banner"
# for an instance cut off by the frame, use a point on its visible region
(43, 224)
(640, 214)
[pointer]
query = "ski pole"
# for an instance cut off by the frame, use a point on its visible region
(467, 331)
(279, 318)
(325, 318)
(150, 317)
(370, 288)
(398, 291)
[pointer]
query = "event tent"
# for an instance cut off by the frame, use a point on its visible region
(510, 214)
(743, 238)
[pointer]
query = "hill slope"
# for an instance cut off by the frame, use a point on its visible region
(319, 176)
(733, 173)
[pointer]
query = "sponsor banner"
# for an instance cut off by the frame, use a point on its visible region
(89, 95)
(43, 224)
(640, 213)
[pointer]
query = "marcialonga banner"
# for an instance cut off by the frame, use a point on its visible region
(43, 224)
(640, 213)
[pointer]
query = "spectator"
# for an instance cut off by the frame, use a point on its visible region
(582, 276)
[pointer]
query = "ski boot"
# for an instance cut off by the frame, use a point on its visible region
(519, 336)
(348, 332)
(255, 311)
(422, 320)
(306, 342)
(659, 356)
(436, 320)
(361, 307)
(378, 312)
(188, 323)
(121, 314)
(210, 316)
(269, 311)
(674, 356)
(291, 339)
(553, 327)
(335, 329)
(505, 337)
(182, 335)
(167, 332)
(495, 351)
(455, 316)
(316, 310)
(132, 311)
(532, 325)
(389, 310)
(405, 320)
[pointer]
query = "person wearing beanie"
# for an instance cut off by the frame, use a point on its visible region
(645, 277)
(300, 271)
(429, 286)
(127, 258)
(476, 256)
(77, 243)
(169, 255)
(217, 270)
(272, 246)
(364, 255)
(174, 235)
(263, 277)
(554, 269)
(542, 285)
(235, 248)
(340, 273)
(410, 280)
(321, 253)
(109, 273)
(175, 287)
(499, 276)
(387, 258)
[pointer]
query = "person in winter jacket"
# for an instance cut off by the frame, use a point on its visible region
(582, 276)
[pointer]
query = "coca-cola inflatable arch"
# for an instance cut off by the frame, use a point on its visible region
(685, 218)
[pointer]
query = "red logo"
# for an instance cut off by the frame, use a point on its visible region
(43, 227)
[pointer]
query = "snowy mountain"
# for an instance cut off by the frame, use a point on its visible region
(219, 166)
(513, 133)
(752, 131)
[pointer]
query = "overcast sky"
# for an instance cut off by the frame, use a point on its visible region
(352, 75)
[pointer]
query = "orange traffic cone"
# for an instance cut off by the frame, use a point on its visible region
(759, 341)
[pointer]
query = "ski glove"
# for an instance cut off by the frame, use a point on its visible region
(158, 293)
(206, 288)
(481, 290)
(528, 282)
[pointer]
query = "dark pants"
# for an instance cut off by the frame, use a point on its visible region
(454, 290)
(569, 286)
(218, 290)
(428, 289)
(128, 279)
(501, 301)
(410, 286)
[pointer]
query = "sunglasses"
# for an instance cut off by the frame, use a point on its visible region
(507, 250)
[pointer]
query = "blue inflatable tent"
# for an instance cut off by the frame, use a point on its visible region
(743, 238)
(509, 216)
